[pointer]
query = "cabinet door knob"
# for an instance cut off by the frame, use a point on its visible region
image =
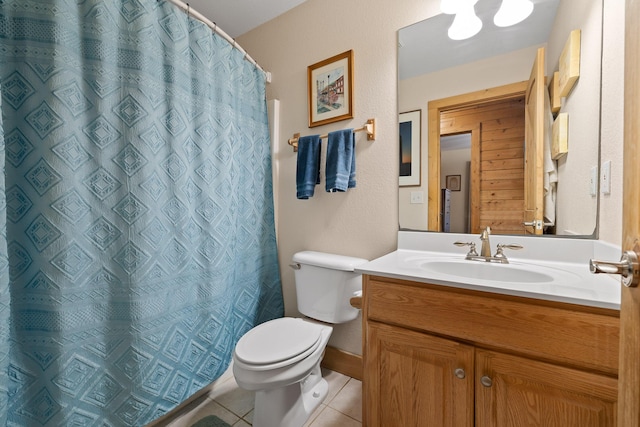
(459, 373)
(486, 381)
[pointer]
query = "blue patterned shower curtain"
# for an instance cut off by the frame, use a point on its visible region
(137, 237)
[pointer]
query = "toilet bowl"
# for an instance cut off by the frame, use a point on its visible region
(280, 359)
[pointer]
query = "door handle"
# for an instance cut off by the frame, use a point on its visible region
(537, 224)
(628, 267)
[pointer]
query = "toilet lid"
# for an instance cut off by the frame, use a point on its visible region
(277, 340)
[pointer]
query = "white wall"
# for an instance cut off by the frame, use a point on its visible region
(456, 162)
(362, 222)
(611, 147)
(574, 201)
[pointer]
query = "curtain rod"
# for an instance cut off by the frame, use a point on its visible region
(200, 17)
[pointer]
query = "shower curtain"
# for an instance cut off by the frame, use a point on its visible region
(137, 237)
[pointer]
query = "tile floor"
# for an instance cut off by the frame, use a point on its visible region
(341, 408)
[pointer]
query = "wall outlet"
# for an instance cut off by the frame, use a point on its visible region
(605, 180)
(417, 197)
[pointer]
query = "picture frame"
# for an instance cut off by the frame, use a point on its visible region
(453, 182)
(330, 85)
(409, 127)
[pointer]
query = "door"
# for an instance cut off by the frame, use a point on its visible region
(514, 391)
(436, 108)
(629, 376)
(416, 379)
(534, 142)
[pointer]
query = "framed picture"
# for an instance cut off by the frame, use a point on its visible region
(331, 89)
(409, 127)
(453, 182)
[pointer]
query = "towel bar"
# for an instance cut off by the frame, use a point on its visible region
(369, 127)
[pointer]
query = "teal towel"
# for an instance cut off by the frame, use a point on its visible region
(341, 160)
(308, 166)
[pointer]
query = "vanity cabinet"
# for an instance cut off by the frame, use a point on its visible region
(443, 356)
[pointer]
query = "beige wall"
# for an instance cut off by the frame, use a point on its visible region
(611, 147)
(457, 162)
(362, 222)
(575, 206)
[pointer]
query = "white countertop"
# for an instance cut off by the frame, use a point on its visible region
(566, 259)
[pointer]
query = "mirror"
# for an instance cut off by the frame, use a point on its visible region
(434, 70)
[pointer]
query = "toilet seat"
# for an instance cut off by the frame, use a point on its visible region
(277, 343)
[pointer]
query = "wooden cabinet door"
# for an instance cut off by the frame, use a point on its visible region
(517, 392)
(411, 379)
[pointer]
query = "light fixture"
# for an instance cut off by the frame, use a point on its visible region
(449, 7)
(512, 11)
(466, 24)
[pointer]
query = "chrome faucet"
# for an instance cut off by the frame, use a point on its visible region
(485, 251)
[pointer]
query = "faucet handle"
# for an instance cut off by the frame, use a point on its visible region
(513, 246)
(472, 247)
(501, 246)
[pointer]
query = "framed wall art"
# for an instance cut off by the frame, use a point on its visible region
(409, 134)
(330, 85)
(453, 182)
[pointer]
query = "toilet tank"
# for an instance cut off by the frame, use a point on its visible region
(324, 285)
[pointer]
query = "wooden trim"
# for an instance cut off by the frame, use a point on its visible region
(629, 385)
(433, 136)
(346, 363)
(480, 97)
(433, 189)
(474, 212)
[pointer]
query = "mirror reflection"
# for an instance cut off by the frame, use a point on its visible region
(482, 151)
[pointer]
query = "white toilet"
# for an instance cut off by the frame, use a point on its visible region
(280, 359)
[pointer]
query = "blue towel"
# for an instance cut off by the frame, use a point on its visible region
(308, 166)
(341, 160)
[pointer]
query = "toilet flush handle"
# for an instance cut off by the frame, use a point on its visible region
(295, 266)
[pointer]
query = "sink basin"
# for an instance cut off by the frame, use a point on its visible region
(481, 270)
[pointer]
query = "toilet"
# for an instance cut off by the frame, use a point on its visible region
(280, 359)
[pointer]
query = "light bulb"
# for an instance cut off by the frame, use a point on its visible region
(466, 24)
(451, 7)
(512, 11)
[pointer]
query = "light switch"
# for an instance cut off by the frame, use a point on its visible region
(417, 197)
